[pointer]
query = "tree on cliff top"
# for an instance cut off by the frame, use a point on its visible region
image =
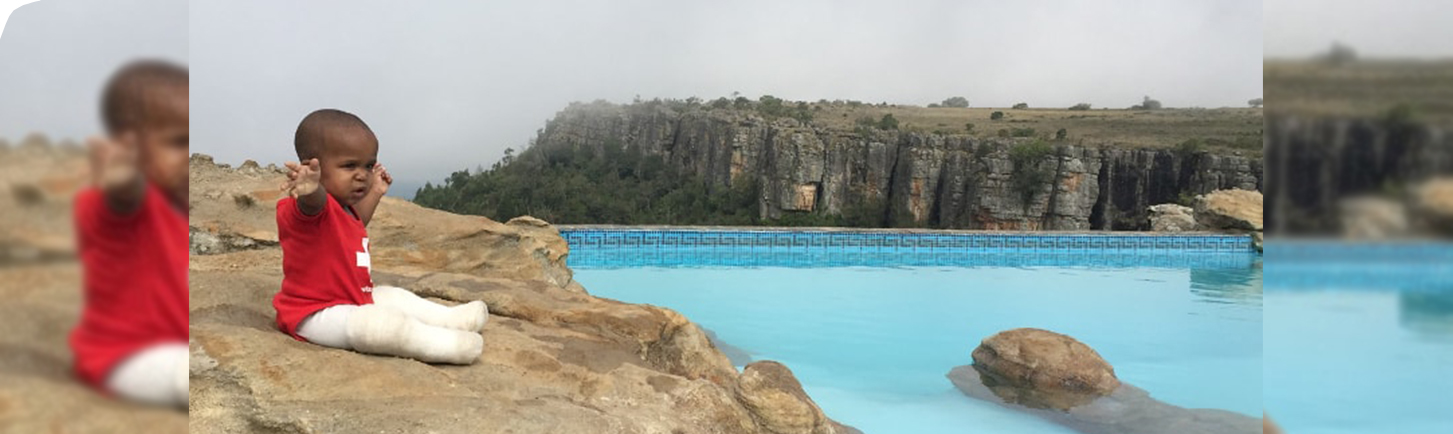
(1150, 104)
(956, 102)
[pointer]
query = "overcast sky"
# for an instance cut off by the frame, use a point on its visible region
(56, 54)
(1390, 28)
(449, 85)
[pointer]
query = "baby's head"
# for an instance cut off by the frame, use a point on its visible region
(346, 151)
(148, 100)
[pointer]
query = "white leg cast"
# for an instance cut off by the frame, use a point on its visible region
(328, 327)
(155, 375)
(469, 316)
(182, 385)
(382, 329)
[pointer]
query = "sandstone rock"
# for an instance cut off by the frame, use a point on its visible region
(1269, 427)
(1043, 369)
(1234, 210)
(772, 393)
(1169, 217)
(1373, 218)
(1431, 203)
(403, 236)
(556, 359)
(38, 391)
(1061, 380)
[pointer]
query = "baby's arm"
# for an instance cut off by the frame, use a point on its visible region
(369, 203)
(115, 172)
(303, 184)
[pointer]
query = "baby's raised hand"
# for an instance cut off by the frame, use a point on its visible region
(381, 180)
(303, 178)
(114, 163)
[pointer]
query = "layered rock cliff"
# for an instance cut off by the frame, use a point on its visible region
(1317, 164)
(913, 178)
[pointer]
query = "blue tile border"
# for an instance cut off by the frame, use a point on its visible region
(671, 247)
(1330, 265)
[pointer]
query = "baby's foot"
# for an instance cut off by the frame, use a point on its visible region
(441, 345)
(468, 317)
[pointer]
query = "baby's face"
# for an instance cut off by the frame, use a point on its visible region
(348, 158)
(163, 142)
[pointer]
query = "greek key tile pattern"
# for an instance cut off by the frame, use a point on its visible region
(673, 247)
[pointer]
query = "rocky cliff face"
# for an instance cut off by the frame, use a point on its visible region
(1317, 163)
(949, 181)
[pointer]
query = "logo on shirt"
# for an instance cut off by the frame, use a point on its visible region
(364, 262)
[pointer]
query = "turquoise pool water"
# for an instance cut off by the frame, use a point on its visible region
(872, 344)
(1359, 339)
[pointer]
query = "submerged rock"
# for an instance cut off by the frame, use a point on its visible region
(1055, 377)
(738, 356)
(1269, 427)
(1042, 369)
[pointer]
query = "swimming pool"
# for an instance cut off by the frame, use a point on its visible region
(1359, 338)
(871, 322)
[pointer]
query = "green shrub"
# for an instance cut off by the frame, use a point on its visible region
(1190, 147)
(956, 102)
(1029, 175)
(1061, 134)
(1022, 132)
(996, 116)
(1021, 106)
(969, 127)
(1081, 106)
(888, 122)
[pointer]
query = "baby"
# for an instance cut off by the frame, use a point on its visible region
(328, 297)
(131, 231)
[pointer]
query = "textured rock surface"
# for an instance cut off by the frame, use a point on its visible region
(40, 284)
(1055, 377)
(1169, 217)
(1314, 162)
(556, 359)
(944, 180)
(1126, 410)
(1269, 427)
(1230, 210)
(1431, 202)
(1234, 211)
(1374, 218)
(1043, 369)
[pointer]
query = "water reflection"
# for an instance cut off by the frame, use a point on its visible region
(1428, 314)
(1228, 285)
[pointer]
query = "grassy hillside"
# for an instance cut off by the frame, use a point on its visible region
(1222, 128)
(1366, 88)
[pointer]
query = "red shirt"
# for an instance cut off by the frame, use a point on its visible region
(325, 262)
(135, 279)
